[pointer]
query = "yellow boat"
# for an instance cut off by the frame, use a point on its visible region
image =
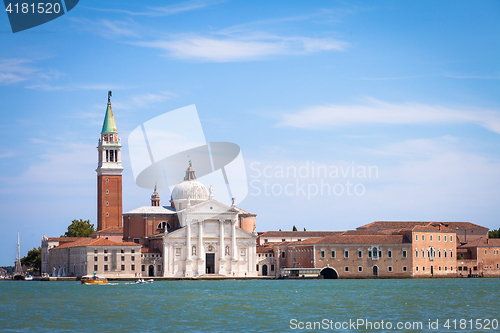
(89, 279)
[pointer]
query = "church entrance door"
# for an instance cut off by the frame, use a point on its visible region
(151, 270)
(264, 270)
(210, 262)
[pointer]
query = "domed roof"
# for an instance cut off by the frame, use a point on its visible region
(190, 188)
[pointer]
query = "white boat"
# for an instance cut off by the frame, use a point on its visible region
(141, 281)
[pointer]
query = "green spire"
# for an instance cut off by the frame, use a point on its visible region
(109, 125)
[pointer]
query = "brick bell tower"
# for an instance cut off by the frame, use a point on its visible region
(109, 174)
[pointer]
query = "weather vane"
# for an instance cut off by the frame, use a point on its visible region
(109, 95)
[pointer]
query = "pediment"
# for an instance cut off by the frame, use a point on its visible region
(211, 208)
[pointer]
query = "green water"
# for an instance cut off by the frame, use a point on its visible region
(244, 306)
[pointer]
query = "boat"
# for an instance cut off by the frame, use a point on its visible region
(18, 268)
(93, 279)
(141, 281)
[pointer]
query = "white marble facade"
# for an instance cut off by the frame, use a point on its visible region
(209, 242)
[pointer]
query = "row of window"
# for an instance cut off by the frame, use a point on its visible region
(121, 251)
(494, 251)
(389, 268)
(106, 258)
(272, 268)
(270, 255)
(431, 253)
(439, 268)
(372, 253)
(106, 267)
(430, 237)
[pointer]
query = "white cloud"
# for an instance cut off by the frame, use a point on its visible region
(242, 48)
(15, 70)
(378, 112)
(109, 28)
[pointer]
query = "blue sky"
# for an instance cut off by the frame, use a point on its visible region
(410, 88)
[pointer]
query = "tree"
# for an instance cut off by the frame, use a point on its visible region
(494, 233)
(33, 260)
(294, 228)
(81, 228)
(305, 229)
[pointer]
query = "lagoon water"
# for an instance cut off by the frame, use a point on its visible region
(247, 306)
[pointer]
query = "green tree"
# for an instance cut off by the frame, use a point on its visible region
(294, 228)
(305, 229)
(494, 233)
(33, 260)
(81, 228)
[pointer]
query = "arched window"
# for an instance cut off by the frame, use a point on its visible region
(163, 225)
(374, 252)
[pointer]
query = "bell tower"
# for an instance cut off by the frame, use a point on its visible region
(109, 174)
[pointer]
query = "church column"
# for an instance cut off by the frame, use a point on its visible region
(200, 241)
(222, 247)
(188, 241)
(234, 249)
(165, 259)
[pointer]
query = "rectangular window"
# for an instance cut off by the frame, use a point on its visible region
(322, 253)
(159, 268)
(105, 267)
(416, 237)
(369, 254)
(95, 268)
(360, 254)
(445, 238)
(360, 268)
(404, 253)
(346, 254)
(95, 250)
(389, 268)
(122, 251)
(272, 268)
(451, 253)
(283, 240)
(105, 258)
(430, 238)
(266, 241)
(404, 268)
(132, 267)
(389, 253)
(136, 240)
(380, 254)
(132, 258)
(439, 238)
(346, 268)
(451, 238)
(123, 258)
(423, 268)
(445, 254)
(283, 254)
(416, 268)
(257, 268)
(333, 253)
(105, 250)
(423, 237)
(143, 268)
(123, 267)
(95, 258)
(423, 253)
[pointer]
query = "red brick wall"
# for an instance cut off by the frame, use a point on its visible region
(113, 198)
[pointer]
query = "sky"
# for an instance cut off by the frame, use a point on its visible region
(346, 112)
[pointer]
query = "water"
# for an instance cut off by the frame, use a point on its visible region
(243, 306)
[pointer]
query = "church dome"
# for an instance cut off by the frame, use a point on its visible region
(190, 188)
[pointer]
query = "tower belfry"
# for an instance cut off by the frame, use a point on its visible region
(109, 173)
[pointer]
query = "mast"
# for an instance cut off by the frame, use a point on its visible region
(18, 257)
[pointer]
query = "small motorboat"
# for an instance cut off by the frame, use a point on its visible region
(141, 281)
(89, 279)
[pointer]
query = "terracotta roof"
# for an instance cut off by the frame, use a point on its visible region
(95, 242)
(65, 239)
(482, 242)
(111, 230)
(299, 233)
(355, 239)
(264, 249)
(148, 250)
(411, 224)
